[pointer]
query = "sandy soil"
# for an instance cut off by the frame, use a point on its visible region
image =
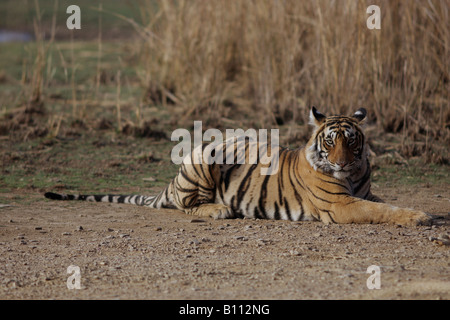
(129, 252)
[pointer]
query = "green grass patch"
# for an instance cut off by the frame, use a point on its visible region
(415, 173)
(20, 14)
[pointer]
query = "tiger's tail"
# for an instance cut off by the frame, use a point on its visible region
(162, 200)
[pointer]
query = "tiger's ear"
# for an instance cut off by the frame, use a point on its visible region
(316, 118)
(360, 115)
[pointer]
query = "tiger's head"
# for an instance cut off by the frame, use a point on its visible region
(337, 146)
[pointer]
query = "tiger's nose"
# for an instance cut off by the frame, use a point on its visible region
(342, 163)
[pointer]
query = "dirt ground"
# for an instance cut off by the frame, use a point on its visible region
(130, 252)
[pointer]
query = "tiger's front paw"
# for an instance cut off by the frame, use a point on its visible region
(213, 210)
(406, 217)
(220, 211)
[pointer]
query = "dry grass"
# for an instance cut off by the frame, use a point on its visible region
(42, 67)
(263, 63)
(215, 60)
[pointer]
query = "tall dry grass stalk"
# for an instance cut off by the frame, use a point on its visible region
(118, 107)
(42, 71)
(270, 60)
(99, 51)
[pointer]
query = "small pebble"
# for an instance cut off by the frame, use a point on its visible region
(195, 241)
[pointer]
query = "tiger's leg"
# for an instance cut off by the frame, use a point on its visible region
(214, 210)
(373, 198)
(194, 191)
(355, 210)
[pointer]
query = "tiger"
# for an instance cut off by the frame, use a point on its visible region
(327, 180)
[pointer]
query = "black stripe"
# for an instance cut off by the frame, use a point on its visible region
(334, 193)
(166, 193)
(158, 197)
(263, 195)
(361, 182)
(219, 187)
(367, 193)
(182, 190)
(233, 204)
(283, 161)
(194, 166)
(185, 176)
(245, 184)
(319, 198)
(257, 214)
(210, 170)
(288, 211)
(352, 201)
(329, 214)
(189, 200)
(335, 183)
(121, 199)
(206, 189)
(203, 172)
(277, 212)
(280, 195)
(204, 145)
(228, 173)
(297, 197)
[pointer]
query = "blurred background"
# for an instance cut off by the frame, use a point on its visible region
(137, 70)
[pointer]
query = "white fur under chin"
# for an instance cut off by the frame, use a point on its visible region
(312, 157)
(323, 165)
(341, 175)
